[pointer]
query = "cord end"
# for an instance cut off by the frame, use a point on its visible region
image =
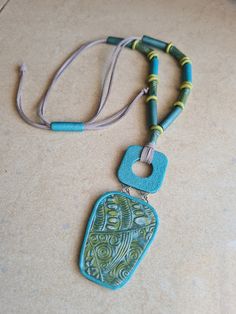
(145, 90)
(23, 68)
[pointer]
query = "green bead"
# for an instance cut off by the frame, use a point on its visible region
(154, 42)
(176, 53)
(152, 112)
(183, 96)
(143, 48)
(152, 88)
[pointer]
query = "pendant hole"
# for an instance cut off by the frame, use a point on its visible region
(142, 169)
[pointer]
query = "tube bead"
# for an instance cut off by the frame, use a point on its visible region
(169, 119)
(156, 43)
(187, 72)
(67, 126)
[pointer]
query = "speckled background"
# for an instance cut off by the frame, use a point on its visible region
(49, 181)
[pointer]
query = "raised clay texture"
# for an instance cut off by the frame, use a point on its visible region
(119, 232)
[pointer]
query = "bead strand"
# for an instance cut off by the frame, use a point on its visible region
(185, 86)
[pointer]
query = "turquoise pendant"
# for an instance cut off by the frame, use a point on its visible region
(150, 184)
(119, 232)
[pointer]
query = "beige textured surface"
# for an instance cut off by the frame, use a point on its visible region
(49, 181)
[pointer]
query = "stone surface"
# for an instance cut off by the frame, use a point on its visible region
(49, 182)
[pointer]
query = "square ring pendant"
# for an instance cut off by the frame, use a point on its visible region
(119, 232)
(150, 184)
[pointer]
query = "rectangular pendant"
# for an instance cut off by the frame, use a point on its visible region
(119, 232)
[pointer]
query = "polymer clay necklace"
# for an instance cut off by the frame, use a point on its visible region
(121, 227)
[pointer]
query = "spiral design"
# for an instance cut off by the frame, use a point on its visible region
(104, 251)
(102, 237)
(121, 271)
(135, 251)
(93, 238)
(114, 240)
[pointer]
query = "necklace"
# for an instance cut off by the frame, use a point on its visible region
(121, 227)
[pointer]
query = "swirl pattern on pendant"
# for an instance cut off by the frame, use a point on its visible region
(121, 230)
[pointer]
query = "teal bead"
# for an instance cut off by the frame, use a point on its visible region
(187, 72)
(67, 126)
(176, 53)
(166, 122)
(154, 66)
(152, 112)
(183, 96)
(156, 43)
(145, 50)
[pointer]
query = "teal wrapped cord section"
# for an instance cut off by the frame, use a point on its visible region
(67, 126)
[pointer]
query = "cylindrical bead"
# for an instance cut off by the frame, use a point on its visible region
(183, 96)
(154, 42)
(154, 66)
(176, 53)
(187, 72)
(142, 48)
(67, 126)
(152, 88)
(152, 112)
(166, 122)
(116, 40)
